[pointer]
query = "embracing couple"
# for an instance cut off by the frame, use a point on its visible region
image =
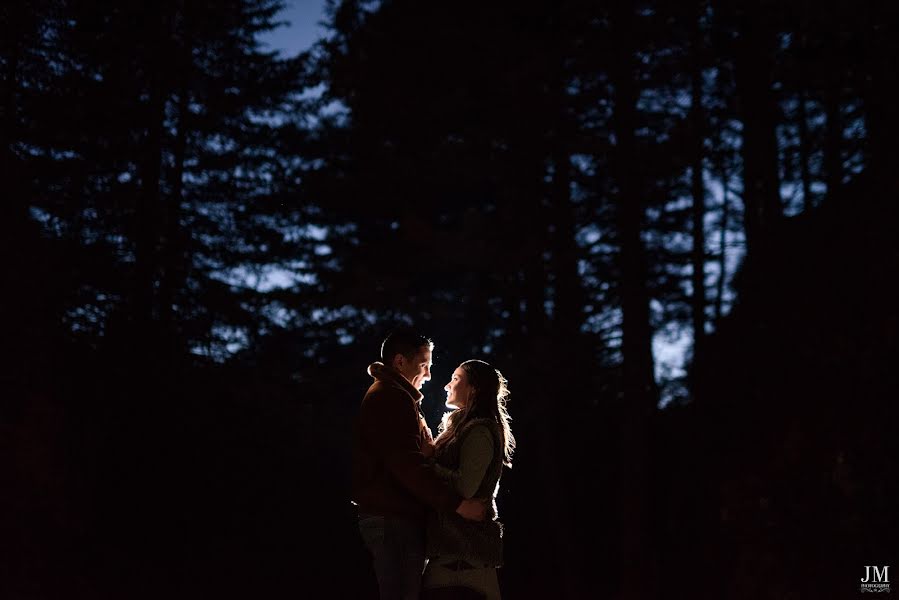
(425, 501)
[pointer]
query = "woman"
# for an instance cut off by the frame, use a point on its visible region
(474, 443)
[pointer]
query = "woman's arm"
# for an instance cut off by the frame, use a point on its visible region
(475, 457)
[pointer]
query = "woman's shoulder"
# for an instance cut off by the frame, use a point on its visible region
(479, 428)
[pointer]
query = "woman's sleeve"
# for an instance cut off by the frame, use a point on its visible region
(475, 457)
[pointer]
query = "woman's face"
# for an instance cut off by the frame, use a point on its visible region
(458, 390)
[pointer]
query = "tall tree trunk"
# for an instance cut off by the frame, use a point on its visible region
(881, 118)
(755, 49)
(833, 139)
(14, 208)
(569, 295)
(173, 251)
(531, 213)
(804, 152)
(568, 300)
(800, 47)
(539, 370)
(697, 186)
(722, 241)
(148, 211)
(512, 301)
(14, 219)
(639, 394)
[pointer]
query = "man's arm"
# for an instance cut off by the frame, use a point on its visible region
(392, 427)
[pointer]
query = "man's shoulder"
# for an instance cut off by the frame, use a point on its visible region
(381, 391)
(385, 405)
(379, 388)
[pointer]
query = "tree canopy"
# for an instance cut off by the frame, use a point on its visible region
(667, 224)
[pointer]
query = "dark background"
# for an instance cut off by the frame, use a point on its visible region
(205, 242)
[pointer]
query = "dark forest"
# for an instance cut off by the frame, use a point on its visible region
(672, 225)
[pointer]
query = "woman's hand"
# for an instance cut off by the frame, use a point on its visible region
(474, 509)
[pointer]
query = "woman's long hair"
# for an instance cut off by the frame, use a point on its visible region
(487, 402)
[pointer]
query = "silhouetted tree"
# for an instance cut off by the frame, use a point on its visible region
(210, 241)
(639, 397)
(167, 134)
(697, 173)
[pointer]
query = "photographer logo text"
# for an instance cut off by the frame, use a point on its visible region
(876, 579)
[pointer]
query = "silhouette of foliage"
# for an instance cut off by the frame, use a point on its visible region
(669, 224)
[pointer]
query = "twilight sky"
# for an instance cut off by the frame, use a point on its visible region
(298, 35)
(303, 29)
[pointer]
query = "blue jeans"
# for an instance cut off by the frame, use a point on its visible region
(397, 548)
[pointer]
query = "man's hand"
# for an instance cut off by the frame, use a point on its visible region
(473, 510)
(427, 448)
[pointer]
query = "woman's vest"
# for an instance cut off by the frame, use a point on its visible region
(451, 536)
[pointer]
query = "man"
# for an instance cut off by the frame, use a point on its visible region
(393, 486)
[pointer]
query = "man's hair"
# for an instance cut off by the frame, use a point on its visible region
(403, 341)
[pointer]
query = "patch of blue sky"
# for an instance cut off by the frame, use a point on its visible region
(226, 341)
(584, 163)
(325, 316)
(316, 232)
(606, 321)
(88, 318)
(344, 337)
(670, 348)
(588, 235)
(279, 315)
(266, 278)
(672, 342)
(792, 197)
(294, 234)
(333, 112)
(549, 307)
(302, 26)
(41, 216)
(655, 100)
(220, 143)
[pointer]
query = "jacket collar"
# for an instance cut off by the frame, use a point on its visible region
(391, 376)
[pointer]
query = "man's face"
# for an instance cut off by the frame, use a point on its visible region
(417, 370)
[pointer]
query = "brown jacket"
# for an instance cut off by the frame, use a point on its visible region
(390, 474)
